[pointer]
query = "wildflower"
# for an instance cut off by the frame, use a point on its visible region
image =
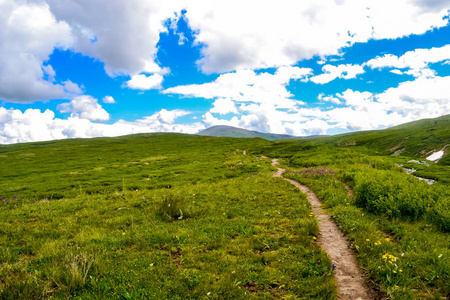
(367, 240)
(177, 266)
(318, 261)
(325, 275)
(394, 271)
(334, 267)
(387, 240)
(314, 238)
(187, 278)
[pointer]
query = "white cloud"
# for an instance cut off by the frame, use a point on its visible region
(247, 86)
(123, 35)
(263, 35)
(341, 71)
(395, 71)
(331, 99)
(33, 125)
(224, 106)
(416, 61)
(85, 107)
(142, 82)
(29, 33)
(410, 101)
(108, 99)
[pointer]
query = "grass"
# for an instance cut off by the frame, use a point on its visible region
(171, 216)
(397, 224)
(232, 230)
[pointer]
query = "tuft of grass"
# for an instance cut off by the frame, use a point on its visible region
(173, 207)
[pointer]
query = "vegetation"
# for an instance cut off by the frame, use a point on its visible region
(171, 216)
(398, 225)
(158, 217)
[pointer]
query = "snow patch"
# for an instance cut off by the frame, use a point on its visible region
(436, 156)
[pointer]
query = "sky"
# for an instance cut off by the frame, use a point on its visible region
(83, 68)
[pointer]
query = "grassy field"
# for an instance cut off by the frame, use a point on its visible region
(171, 216)
(158, 217)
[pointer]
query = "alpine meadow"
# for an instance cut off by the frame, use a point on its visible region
(177, 216)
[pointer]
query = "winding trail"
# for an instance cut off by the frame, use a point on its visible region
(349, 278)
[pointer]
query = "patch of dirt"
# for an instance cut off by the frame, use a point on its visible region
(349, 278)
(175, 254)
(251, 286)
(349, 191)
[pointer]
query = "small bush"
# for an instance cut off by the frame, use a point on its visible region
(440, 213)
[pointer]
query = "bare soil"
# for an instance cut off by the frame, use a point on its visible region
(349, 278)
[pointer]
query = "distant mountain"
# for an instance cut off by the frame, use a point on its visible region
(229, 131)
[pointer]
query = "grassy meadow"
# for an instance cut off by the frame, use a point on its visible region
(154, 216)
(172, 216)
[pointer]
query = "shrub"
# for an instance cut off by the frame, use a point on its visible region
(393, 194)
(440, 212)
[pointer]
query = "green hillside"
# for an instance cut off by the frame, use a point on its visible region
(418, 139)
(173, 216)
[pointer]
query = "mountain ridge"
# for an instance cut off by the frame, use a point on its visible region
(230, 131)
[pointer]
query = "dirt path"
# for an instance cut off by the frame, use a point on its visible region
(349, 278)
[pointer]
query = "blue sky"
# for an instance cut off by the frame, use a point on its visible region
(72, 69)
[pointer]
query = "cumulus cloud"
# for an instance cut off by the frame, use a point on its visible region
(283, 34)
(108, 99)
(123, 35)
(142, 82)
(416, 62)
(85, 107)
(341, 71)
(410, 101)
(33, 125)
(247, 86)
(332, 99)
(224, 106)
(28, 36)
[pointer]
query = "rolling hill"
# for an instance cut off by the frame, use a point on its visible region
(229, 131)
(416, 139)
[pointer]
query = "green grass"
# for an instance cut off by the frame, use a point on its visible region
(172, 216)
(398, 225)
(231, 231)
